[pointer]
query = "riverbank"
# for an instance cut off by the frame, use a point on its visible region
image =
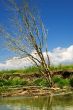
(29, 82)
(34, 91)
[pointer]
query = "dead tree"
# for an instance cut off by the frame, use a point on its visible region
(30, 35)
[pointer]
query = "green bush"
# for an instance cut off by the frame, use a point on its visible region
(18, 81)
(8, 82)
(60, 81)
(56, 79)
(4, 82)
(41, 82)
(13, 82)
(63, 82)
(71, 82)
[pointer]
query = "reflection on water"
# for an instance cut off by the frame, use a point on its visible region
(37, 103)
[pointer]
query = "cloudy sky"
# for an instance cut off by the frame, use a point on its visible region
(57, 16)
(57, 56)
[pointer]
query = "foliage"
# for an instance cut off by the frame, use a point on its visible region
(13, 82)
(56, 79)
(60, 81)
(63, 82)
(16, 81)
(41, 82)
(71, 82)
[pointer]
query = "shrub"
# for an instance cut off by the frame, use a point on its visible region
(41, 82)
(63, 82)
(8, 82)
(18, 81)
(56, 79)
(71, 82)
(13, 82)
(60, 81)
(4, 82)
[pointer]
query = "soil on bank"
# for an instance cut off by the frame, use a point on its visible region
(16, 84)
(35, 91)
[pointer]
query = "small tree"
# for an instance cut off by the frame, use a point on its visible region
(30, 35)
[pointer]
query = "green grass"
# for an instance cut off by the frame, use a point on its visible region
(61, 67)
(29, 70)
(33, 69)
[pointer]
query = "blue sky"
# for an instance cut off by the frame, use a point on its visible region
(57, 16)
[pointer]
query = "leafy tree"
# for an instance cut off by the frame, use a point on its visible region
(29, 37)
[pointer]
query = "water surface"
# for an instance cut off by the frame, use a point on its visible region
(64, 102)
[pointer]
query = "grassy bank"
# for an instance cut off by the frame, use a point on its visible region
(62, 67)
(34, 69)
(31, 77)
(29, 70)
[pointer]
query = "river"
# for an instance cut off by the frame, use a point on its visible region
(58, 102)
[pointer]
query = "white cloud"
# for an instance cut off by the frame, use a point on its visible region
(62, 55)
(16, 63)
(57, 56)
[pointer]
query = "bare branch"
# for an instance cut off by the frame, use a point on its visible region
(29, 35)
